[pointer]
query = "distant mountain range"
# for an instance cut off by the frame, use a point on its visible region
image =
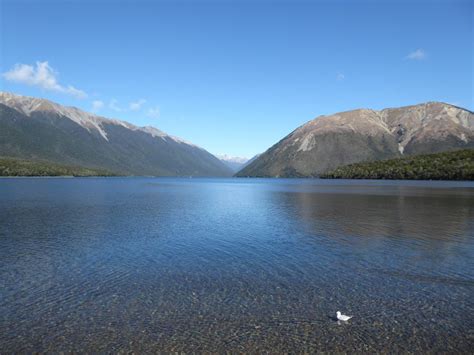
(328, 142)
(236, 163)
(38, 129)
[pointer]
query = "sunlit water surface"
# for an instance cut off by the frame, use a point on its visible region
(143, 264)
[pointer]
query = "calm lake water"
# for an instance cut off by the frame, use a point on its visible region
(143, 264)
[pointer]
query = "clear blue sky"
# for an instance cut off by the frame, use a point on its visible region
(236, 76)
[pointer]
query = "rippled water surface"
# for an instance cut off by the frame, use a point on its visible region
(136, 264)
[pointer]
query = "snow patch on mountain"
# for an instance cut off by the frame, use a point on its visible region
(233, 159)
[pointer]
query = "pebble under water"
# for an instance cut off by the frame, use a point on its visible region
(244, 265)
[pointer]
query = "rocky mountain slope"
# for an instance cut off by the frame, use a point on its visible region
(32, 128)
(328, 142)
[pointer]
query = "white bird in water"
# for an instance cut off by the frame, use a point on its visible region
(342, 316)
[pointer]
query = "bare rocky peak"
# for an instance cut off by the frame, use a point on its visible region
(361, 120)
(432, 119)
(388, 119)
(23, 104)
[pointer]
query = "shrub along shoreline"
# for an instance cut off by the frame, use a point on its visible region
(12, 167)
(452, 165)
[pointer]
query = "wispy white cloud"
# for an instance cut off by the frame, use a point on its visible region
(97, 105)
(113, 105)
(137, 105)
(42, 76)
(419, 54)
(340, 76)
(153, 112)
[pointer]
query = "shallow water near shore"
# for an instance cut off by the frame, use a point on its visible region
(149, 264)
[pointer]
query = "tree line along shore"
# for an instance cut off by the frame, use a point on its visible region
(453, 165)
(21, 167)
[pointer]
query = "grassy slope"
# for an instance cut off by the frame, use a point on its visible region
(19, 167)
(455, 165)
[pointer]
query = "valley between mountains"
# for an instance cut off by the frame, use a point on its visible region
(38, 130)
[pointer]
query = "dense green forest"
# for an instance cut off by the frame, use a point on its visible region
(454, 165)
(20, 167)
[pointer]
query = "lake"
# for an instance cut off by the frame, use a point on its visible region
(149, 264)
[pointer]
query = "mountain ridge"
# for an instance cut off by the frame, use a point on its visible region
(35, 128)
(29, 104)
(352, 136)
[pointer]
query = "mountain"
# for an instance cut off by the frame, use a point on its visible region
(234, 163)
(38, 129)
(328, 142)
(250, 161)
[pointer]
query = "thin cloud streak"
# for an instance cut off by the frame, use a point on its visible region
(137, 105)
(419, 54)
(153, 112)
(97, 105)
(113, 105)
